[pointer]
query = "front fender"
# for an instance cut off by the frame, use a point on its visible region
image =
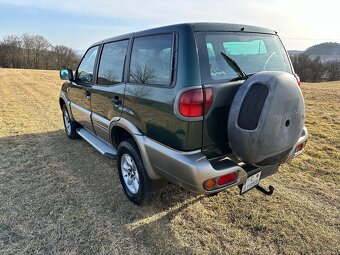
(63, 97)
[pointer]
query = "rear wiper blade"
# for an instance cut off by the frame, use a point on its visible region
(234, 66)
(242, 78)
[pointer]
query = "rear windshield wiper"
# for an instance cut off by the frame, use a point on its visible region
(241, 75)
(242, 78)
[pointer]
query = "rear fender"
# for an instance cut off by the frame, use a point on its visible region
(139, 138)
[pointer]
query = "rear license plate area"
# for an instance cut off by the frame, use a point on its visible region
(252, 181)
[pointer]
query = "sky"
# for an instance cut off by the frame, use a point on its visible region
(299, 23)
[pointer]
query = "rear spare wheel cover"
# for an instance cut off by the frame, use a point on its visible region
(266, 118)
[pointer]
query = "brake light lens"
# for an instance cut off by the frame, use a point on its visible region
(195, 102)
(220, 181)
(298, 79)
(208, 99)
(300, 148)
(225, 179)
(191, 103)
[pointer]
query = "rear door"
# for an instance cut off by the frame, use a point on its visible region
(149, 93)
(80, 91)
(108, 91)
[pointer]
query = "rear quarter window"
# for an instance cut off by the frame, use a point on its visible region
(151, 60)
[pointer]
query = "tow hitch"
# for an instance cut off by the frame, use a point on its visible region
(264, 191)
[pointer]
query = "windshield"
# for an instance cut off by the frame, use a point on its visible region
(252, 53)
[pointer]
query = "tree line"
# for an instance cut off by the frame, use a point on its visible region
(35, 52)
(314, 70)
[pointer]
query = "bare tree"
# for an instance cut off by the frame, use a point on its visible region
(139, 91)
(10, 51)
(333, 70)
(142, 74)
(34, 51)
(309, 70)
(64, 57)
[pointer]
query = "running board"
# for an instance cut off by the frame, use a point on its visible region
(103, 147)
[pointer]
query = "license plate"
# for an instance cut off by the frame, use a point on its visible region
(251, 182)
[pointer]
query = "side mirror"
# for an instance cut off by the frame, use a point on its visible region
(66, 74)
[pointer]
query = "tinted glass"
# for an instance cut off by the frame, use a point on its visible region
(112, 63)
(151, 60)
(252, 52)
(85, 69)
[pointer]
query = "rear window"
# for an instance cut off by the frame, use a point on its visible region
(252, 52)
(151, 60)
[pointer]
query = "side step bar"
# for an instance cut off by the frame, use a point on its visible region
(103, 147)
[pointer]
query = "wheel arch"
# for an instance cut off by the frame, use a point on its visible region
(64, 101)
(124, 129)
(61, 102)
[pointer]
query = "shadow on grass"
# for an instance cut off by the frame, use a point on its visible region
(62, 196)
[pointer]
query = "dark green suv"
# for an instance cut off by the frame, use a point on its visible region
(205, 105)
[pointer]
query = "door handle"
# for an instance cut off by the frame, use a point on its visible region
(117, 101)
(87, 94)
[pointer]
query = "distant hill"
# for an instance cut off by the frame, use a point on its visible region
(294, 52)
(328, 51)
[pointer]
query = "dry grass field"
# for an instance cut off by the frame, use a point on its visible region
(59, 196)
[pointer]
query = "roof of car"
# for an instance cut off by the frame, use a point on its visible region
(197, 27)
(230, 27)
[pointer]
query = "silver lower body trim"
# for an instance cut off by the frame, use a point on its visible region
(189, 169)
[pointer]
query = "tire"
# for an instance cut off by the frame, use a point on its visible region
(69, 125)
(266, 118)
(142, 190)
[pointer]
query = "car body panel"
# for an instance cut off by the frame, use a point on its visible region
(105, 107)
(184, 152)
(151, 107)
(80, 104)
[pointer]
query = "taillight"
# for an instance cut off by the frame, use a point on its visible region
(225, 179)
(299, 148)
(195, 102)
(297, 79)
(221, 181)
(191, 103)
(208, 99)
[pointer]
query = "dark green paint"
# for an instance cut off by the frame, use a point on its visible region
(151, 108)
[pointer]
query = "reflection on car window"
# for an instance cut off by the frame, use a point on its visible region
(252, 47)
(112, 63)
(85, 69)
(252, 52)
(151, 60)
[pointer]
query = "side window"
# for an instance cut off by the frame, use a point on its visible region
(111, 63)
(85, 69)
(151, 60)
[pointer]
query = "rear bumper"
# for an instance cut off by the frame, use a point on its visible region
(191, 169)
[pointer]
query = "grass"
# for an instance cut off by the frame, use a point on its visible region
(59, 196)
